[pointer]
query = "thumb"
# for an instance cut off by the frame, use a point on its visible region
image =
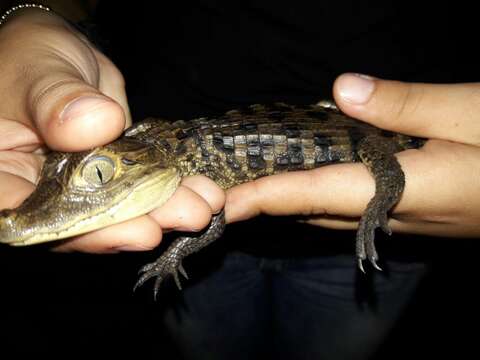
(439, 111)
(72, 115)
(56, 83)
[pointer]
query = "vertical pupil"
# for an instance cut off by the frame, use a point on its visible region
(99, 174)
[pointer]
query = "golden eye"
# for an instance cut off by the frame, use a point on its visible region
(98, 171)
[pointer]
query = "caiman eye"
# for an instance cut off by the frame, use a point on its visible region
(98, 171)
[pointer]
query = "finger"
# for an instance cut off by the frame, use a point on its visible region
(337, 195)
(324, 191)
(208, 190)
(342, 190)
(21, 164)
(54, 84)
(185, 211)
(17, 136)
(14, 190)
(112, 84)
(140, 234)
(72, 115)
(332, 222)
(403, 226)
(440, 111)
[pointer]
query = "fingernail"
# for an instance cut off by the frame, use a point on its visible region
(82, 106)
(356, 88)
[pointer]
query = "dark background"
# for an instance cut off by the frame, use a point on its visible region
(83, 304)
(75, 303)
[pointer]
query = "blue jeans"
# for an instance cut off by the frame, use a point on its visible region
(297, 308)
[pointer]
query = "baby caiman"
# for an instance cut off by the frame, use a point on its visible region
(83, 191)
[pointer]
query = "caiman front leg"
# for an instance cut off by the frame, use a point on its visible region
(170, 262)
(377, 154)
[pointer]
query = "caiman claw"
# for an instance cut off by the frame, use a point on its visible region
(161, 269)
(170, 263)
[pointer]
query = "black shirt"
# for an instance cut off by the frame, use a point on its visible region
(191, 58)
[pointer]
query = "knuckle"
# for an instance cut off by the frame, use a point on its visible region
(47, 87)
(408, 103)
(471, 109)
(472, 99)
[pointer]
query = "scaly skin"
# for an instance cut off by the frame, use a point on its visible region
(81, 192)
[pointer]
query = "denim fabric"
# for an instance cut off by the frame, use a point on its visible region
(298, 308)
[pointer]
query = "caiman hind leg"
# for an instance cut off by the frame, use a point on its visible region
(170, 262)
(377, 153)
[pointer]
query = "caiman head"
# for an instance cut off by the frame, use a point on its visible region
(81, 192)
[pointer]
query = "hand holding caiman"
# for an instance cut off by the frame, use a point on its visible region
(85, 191)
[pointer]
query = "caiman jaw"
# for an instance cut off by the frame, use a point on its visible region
(146, 196)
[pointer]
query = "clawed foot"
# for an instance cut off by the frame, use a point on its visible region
(170, 263)
(372, 260)
(162, 268)
(365, 246)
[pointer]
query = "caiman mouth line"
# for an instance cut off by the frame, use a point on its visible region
(111, 214)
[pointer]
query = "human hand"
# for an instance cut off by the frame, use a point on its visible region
(61, 93)
(442, 194)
